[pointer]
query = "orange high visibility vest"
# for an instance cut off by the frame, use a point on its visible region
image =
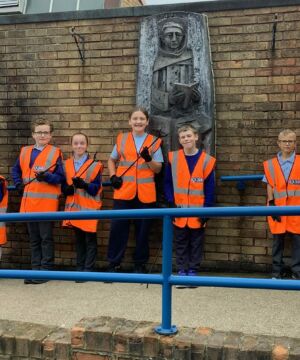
(139, 179)
(82, 200)
(285, 193)
(39, 196)
(3, 208)
(188, 188)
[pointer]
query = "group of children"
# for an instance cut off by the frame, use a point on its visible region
(40, 175)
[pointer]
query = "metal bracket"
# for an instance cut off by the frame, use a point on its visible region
(79, 40)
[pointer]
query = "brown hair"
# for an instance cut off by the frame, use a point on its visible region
(80, 133)
(41, 121)
(139, 108)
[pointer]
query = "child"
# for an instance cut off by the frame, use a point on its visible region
(83, 191)
(140, 157)
(37, 175)
(282, 175)
(189, 182)
(3, 208)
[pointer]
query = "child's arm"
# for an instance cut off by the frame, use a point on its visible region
(209, 190)
(168, 185)
(16, 173)
(111, 164)
(270, 192)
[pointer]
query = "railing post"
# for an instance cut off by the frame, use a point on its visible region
(166, 328)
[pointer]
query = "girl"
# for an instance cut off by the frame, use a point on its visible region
(139, 157)
(83, 191)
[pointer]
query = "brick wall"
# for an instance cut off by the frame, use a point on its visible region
(107, 338)
(256, 96)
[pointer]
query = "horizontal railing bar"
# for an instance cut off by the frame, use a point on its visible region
(232, 282)
(84, 276)
(152, 213)
(13, 188)
(241, 177)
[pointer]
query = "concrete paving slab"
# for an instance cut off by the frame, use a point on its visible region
(63, 303)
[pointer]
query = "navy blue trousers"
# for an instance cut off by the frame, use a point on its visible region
(189, 247)
(277, 252)
(86, 249)
(41, 245)
(119, 233)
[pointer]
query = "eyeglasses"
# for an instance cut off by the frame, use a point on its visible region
(41, 133)
(287, 142)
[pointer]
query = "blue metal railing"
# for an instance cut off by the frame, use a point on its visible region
(241, 179)
(166, 279)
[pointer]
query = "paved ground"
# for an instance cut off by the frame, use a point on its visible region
(64, 303)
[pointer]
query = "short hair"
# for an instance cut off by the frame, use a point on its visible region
(80, 133)
(187, 127)
(41, 121)
(286, 132)
(139, 108)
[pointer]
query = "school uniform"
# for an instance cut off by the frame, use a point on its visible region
(84, 199)
(189, 182)
(39, 196)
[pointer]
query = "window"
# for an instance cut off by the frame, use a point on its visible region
(12, 6)
(37, 7)
(59, 6)
(46, 6)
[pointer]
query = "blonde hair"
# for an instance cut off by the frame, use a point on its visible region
(187, 127)
(286, 132)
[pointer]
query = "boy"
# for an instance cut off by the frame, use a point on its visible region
(282, 175)
(37, 175)
(189, 182)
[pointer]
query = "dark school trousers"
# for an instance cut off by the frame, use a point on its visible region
(119, 233)
(277, 253)
(86, 250)
(41, 245)
(189, 247)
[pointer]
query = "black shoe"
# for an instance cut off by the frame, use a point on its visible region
(296, 276)
(28, 282)
(112, 268)
(42, 281)
(34, 282)
(276, 276)
(140, 269)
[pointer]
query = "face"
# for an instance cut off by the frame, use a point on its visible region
(172, 38)
(187, 140)
(79, 145)
(138, 122)
(287, 143)
(42, 135)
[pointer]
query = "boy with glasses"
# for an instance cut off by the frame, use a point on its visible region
(37, 175)
(282, 175)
